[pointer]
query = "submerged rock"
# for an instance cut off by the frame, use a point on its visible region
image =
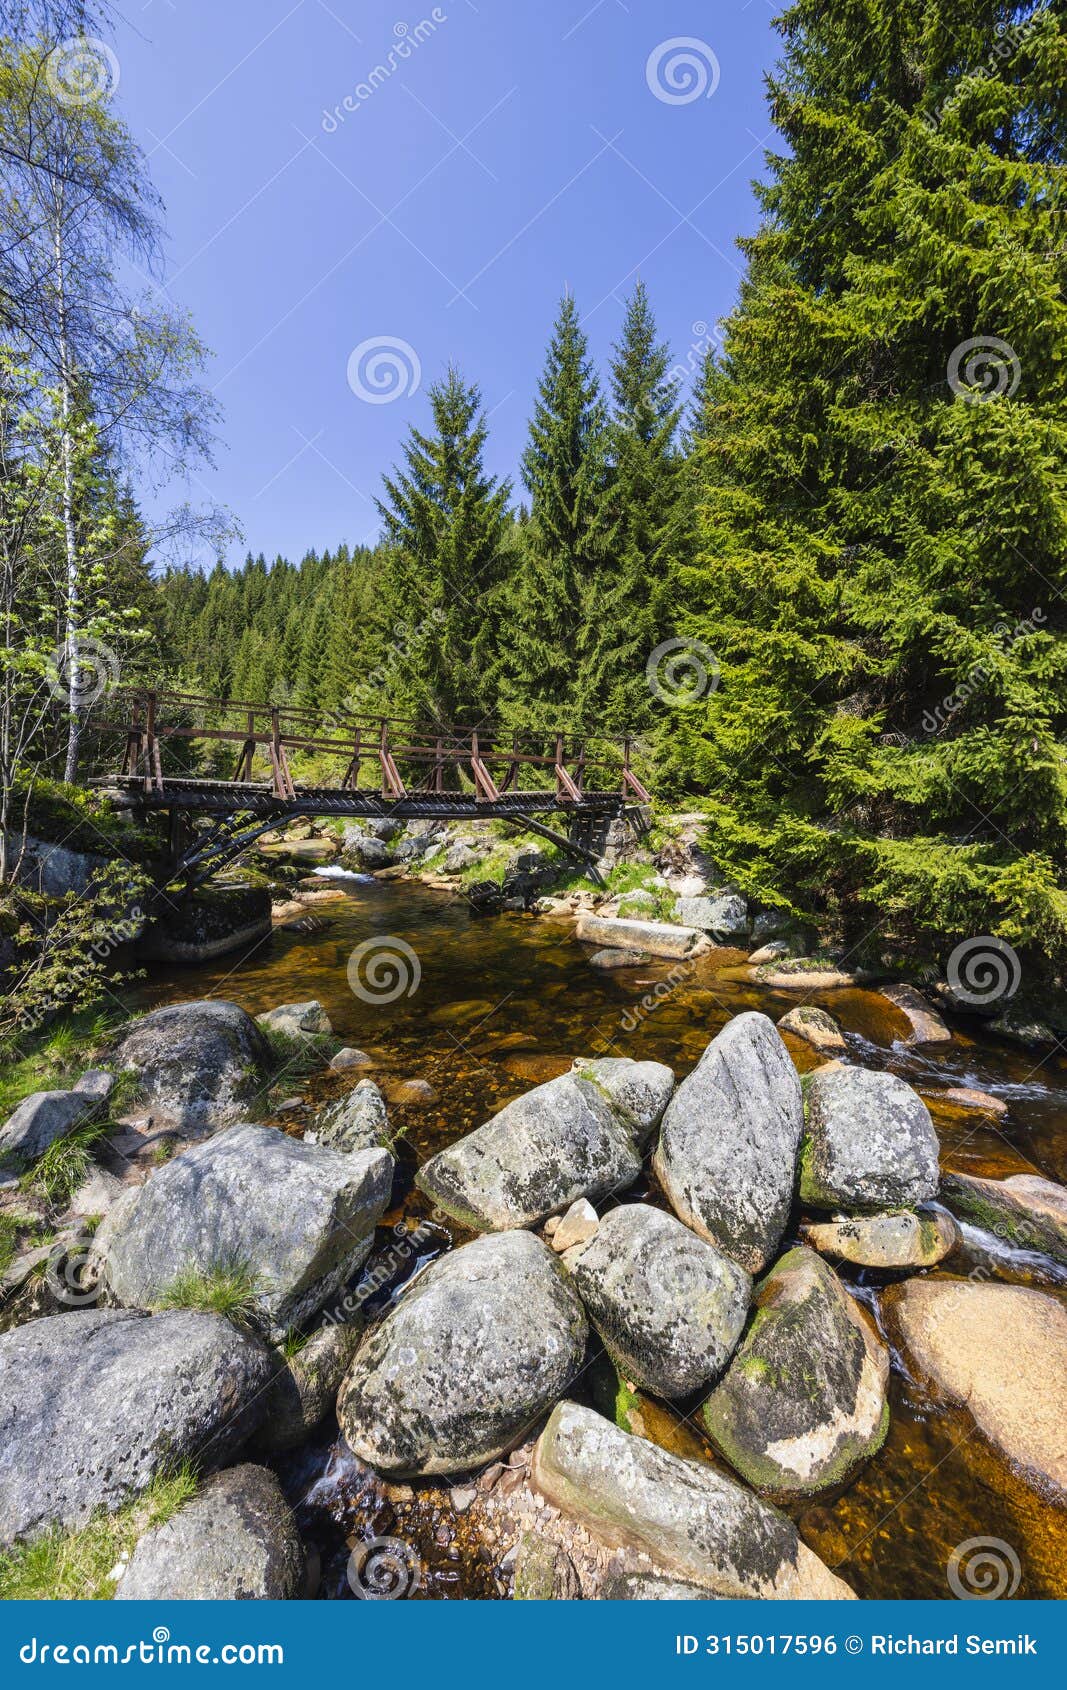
(870, 1143)
(1029, 1211)
(94, 1405)
(479, 1347)
(926, 1026)
(297, 1218)
(609, 960)
(668, 1307)
(1000, 1351)
(815, 1026)
(727, 1152)
(360, 1121)
(906, 1239)
(803, 1403)
(691, 1520)
(197, 1064)
(542, 1152)
(234, 1542)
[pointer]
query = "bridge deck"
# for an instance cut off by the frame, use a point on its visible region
(224, 798)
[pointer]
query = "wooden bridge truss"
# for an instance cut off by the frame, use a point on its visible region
(382, 767)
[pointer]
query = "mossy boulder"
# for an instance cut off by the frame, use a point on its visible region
(728, 1148)
(869, 1143)
(693, 1522)
(1029, 1211)
(803, 1403)
(667, 1305)
(480, 1346)
(910, 1238)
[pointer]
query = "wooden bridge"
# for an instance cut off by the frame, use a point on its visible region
(232, 763)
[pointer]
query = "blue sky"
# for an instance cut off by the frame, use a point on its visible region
(492, 153)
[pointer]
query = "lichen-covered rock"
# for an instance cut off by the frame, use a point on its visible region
(668, 1307)
(815, 1026)
(560, 1142)
(870, 1143)
(544, 1572)
(639, 1091)
(95, 1404)
(1000, 1351)
(694, 1523)
(298, 1217)
(803, 1403)
(359, 1121)
(38, 1121)
(1029, 1211)
(724, 916)
(479, 1347)
(297, 1020)
(909, 1238)
(621, 1586)
(236, 1541)
(727, 1152)
(197, 1064)
(304, 1389)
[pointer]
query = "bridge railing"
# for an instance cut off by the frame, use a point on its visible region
(169, 737)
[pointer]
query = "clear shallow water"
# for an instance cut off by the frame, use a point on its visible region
(502, 1004)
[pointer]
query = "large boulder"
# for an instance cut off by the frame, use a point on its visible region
(693, 1522)
(724, 916)
(1000, 1351)
(1029, 1211)
(908, 1238)
(39, 1121)
(668, 1307)
(727, 1152)
(359, 1121)
(803, 1403)
(298, 1218)
(95, 1404)
(197, 1064)
(480, 1346)
(869, 1142)
(639, 1091)
(236, 1541)
(562, 1141)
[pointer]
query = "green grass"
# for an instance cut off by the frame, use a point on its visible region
(298, 1057)
(74, 1566)
(66, 1163)
(230, 1289)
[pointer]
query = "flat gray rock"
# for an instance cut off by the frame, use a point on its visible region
(96, 1084)
(667, 1305)
(869, 1143)
(198, 1064)
(236, 1541)
(359, 1121)
(727, 1153)
(693, 1521)
(562, 1141)
(95, 1404)
(480, 1346)
(300, 1218)
(39, 1121)
(803, 1403)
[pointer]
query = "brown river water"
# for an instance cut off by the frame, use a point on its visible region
(504, 1003)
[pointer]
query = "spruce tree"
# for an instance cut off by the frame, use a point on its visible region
(884, 533)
